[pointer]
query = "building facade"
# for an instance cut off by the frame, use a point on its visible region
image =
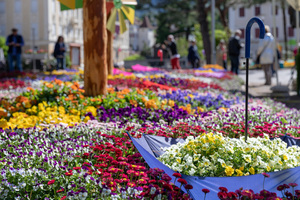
(42, 21)
(239, 17)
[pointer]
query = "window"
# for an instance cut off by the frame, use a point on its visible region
(2, 7)
(291, 32)
(242, 12)
(257, 10)
(2, 30)
(243, 33)
(257, 33)
(276, 10)
(18, 6)
(34, 6)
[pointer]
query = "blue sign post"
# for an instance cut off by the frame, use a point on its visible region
(247, 56)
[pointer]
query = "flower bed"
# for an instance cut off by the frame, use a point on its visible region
(89, 155)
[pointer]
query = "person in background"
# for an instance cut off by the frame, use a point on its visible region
(266, 51)
(59, 53)
(173, 51)
(222, 54)
(193, 56)
(15, 42)
(234, 48)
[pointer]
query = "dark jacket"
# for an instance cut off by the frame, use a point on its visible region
(58, 52)
(234, 47)
(193, 54)
(20, 41)
(173, 48)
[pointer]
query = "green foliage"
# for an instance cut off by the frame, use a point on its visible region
(146, 51)
(68, 60)
(182, 46)
(221, 34)
(3, 45)
(135, 57)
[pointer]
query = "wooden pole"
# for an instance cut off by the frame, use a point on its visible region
(110, 63)
(95, 45)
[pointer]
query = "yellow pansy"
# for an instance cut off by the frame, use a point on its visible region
(252, 170)
(229, 171)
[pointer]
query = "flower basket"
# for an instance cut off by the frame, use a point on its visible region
(150, 147)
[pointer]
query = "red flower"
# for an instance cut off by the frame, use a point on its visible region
(182, 181)
(76, 168)
(168, 187)
(223, 189)
(188, 187)
(64, 197)
(280, 188)
(222, 195)
(177, 175)
(205, 190)
(51, 182)
(69, 173)
(61, 190)
(266, 175)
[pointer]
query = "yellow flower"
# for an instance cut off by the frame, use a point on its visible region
(268, 168)
(86, 119)
(239, 172)
(229, 171)
(285, 157)
(242, 168)
(252, 170)
(178, 160)
(92, 110)
(280, 162)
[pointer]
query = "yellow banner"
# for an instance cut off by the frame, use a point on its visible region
(69, 3)
(111, 23)
(129, 13)
(123, 27)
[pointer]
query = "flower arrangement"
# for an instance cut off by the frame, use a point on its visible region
(213, 155)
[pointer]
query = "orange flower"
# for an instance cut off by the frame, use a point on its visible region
(74, 87)
(141, 92)
(133, 102)
(85, 104)
(3, 114)
(58, 82)
(116, 100)
(110, 90)
(81, 96)
(49, 85)
(120, 96)
(81, 90)
(75, 102)
(93, 100)
(30, 89)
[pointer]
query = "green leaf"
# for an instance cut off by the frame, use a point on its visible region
(283, 120)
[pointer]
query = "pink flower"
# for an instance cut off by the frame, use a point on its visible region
(51, 182)
(293, 184)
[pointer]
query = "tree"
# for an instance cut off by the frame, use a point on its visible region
(202, 17)
(175, 17)
(95, 47)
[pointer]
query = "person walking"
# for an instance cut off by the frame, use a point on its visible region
(193, 56)
(222, 54)
(234, 48)
(14, 42)
(173, 51)
(59, 53)
(266, 53)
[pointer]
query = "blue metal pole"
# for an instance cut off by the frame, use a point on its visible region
(247, 56)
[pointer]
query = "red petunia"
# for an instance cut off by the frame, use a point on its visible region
(182, 181)
(266, 175)
(51, 182)
(64, 197)
(223, 189)
(177, 175)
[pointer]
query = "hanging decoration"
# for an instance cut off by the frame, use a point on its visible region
(116, 10)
